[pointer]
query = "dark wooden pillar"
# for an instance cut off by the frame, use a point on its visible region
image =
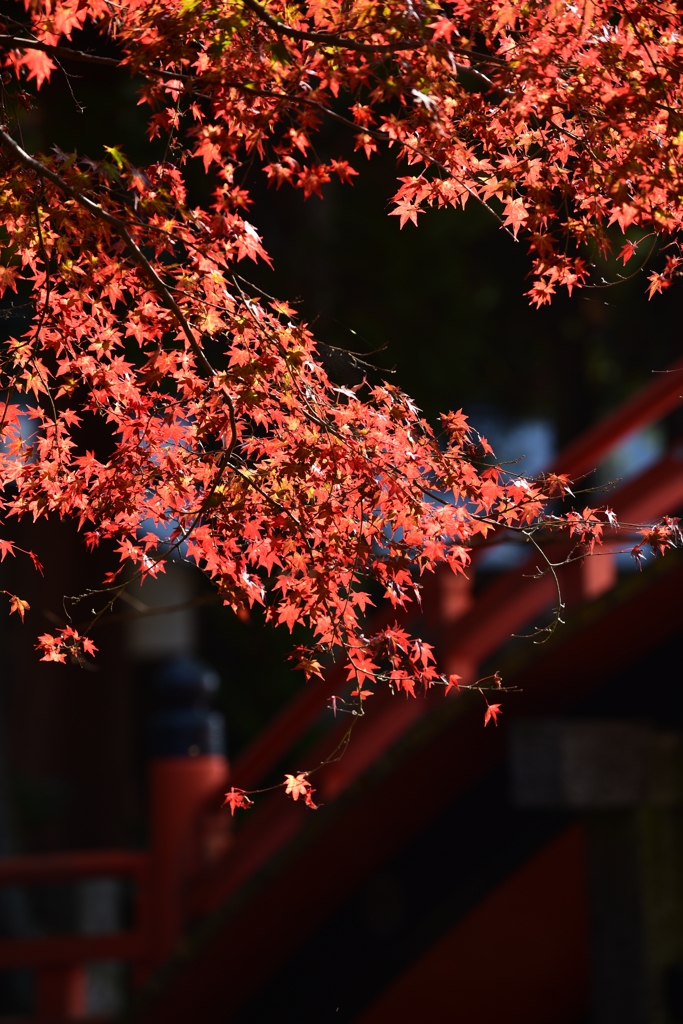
(627, 779)
(71, 732)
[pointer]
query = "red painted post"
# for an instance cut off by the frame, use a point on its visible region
(61, 992)
(179, 790)
(187, 769)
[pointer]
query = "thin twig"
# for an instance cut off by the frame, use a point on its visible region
(82, 56)
(58, 51)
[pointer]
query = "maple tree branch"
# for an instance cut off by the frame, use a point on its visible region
(546, 631)
(270, 94)
(385, 138)
(330, 39)
(82, 56)
(122, 230)
(163, 291)
(118, 591)
(148, 611)
(628, 277)
(57, 51)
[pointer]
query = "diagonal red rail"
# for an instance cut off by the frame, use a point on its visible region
(647, 406)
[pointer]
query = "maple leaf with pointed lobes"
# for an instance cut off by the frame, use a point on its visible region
(658, 283)
(39, 66)
(6, 548)
(663, 535)
(209, 151)
(290, 614)
(453, 683)
(516, 214)
(17, 605)
(638, 555)
(236, 799)
(298, 785)
(556, 485)
(344, 170)
(310, 666)
(8, 279)
(406, 209)
(88, 646)
(36, 562)
(628, 251)
(491, 713)
(361, 668)
(443, 29)
(52, 648)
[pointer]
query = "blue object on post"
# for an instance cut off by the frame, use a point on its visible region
(182, 723)
(188, 774)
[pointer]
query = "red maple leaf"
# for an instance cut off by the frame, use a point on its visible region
(443, 29)
(516, 214)
(453, 683)
(406, 209)
(491, 713)
(236, 799)
(628, 251)
(88, 646)
(6, 548)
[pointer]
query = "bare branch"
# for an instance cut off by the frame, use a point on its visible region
(328, 38)
(82, 57)
(343, 42)
(17, 42)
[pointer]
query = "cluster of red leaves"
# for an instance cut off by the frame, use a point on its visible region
(564, 118)
(67, 643)
(659, 538)
(229, 444)
(236, 799)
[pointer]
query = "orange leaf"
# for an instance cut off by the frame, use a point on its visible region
(17, 605)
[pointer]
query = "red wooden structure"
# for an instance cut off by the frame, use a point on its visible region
(180, 791)
(202, 897)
